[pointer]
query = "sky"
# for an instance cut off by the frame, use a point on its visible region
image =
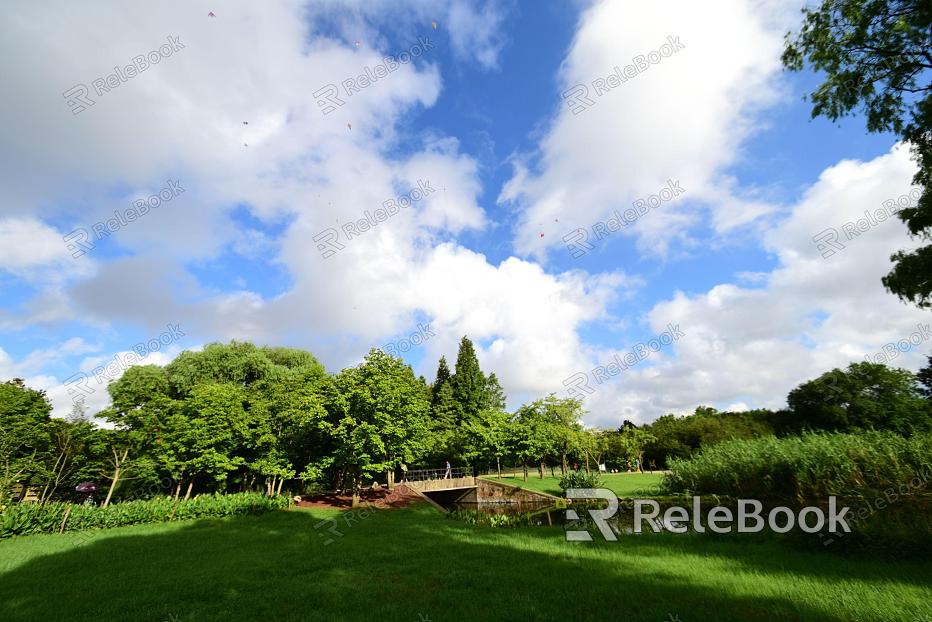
(624, 202)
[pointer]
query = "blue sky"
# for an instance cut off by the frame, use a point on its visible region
(480, 117)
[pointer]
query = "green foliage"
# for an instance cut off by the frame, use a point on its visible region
(493, 395)
(814, 465)
(24, 434)
(865, 396)
(680, 437)
(875, 55)
(469, 383)
(490, 519)
(379, 417)
(924, 378)
(581, 479)
(32, 518)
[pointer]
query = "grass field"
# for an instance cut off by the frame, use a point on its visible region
(414, 565)
(624, 484)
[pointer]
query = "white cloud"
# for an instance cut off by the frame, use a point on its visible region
(748, 347)
(683, 118)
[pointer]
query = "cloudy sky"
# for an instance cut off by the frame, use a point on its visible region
(509, 135)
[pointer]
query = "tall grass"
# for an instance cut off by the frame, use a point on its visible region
(809, 466)
(33, 518)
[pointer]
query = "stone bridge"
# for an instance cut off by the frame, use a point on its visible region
(460, 487)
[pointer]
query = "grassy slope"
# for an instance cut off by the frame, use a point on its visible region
(403, 564)
(624, 484)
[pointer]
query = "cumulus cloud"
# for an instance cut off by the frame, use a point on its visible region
(749, 345)
(682, 117)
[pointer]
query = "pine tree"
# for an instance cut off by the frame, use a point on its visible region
(493, 397)
(443, 377)
(468, 381)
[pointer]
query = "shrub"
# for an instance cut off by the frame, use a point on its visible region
(805, 467)
(33, 518)
(578, 479)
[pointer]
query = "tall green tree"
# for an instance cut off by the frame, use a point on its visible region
(381, 420)
(443, 377)
(24, 434)
(876, 56)
(140, 408)
(469, 383)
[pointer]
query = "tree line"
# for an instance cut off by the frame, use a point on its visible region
(237, 417)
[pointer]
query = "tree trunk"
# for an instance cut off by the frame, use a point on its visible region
(64, 521)
(177, 490)
(187, 494)
(551, 471)
(564, 466)
(587, 462)
(524, 464)
(542, 469)
(390, 479)
(498, 464)
(45, 490)
(281, 481)
(355, 483)
(117, 468)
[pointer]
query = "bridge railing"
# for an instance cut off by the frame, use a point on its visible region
(421, 475)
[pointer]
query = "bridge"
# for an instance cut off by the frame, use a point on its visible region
(443, 489)
(434, 480)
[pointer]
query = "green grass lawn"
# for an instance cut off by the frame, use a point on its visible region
(414, 564)
(624, 484)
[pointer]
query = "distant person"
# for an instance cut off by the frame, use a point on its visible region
(637, 466)
(404, 472)
(447, 474)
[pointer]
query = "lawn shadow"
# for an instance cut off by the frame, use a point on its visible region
(411, 564)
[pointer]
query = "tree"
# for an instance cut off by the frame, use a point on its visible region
(443, 378)
(380, 419)
(446, 411)
(877, 58)
(70, 438)
(469, 383)
(487, 436)
(566, 430)
(530, 438)
(24, 434)
(635, 440)
(140, 409)
(864, 396)
(493, 396)
(924, 377)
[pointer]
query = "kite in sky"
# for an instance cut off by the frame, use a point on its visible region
(211, 14)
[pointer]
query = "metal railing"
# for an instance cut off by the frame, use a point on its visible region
(426, 474)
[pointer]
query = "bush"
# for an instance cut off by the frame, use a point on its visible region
(813, 465)
(32, 518)
(578, 479)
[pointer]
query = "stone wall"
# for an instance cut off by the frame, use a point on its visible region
(494, 492)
